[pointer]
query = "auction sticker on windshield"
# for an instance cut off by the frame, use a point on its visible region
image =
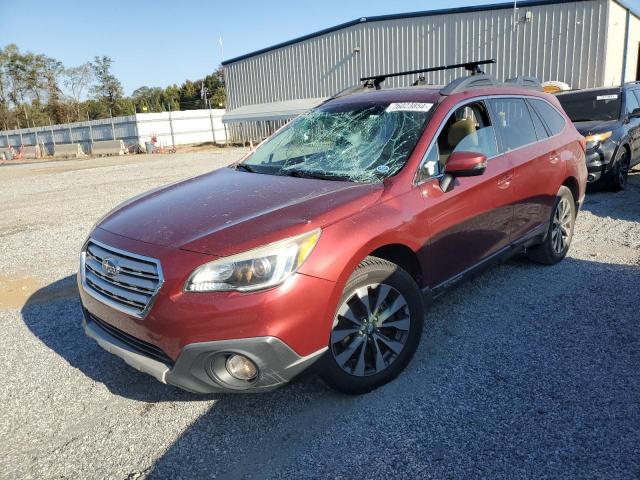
(409, 107)
(607, 97)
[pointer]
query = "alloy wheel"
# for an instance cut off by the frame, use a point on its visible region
(561, 228)
(623, 172)
(370, 329)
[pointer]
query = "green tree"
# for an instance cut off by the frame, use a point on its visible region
(108, 88)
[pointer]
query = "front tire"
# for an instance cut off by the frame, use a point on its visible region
(376, 328)
(560, 232)
(618, 177)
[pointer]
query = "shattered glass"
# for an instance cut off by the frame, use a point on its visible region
(358, 142)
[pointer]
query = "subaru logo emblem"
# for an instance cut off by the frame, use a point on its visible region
(110, 267)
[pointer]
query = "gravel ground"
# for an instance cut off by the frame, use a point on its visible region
(525, 371)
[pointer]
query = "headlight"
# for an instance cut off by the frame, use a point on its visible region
(594, 140)
(256, 269)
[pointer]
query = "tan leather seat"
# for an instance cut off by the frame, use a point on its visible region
(457, 131)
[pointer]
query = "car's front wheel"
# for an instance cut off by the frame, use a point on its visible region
(619, 173)
(376, 328)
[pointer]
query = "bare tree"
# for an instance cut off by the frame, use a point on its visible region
(77, 80)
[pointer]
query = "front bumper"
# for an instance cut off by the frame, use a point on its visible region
(599, 160)
(193, 370)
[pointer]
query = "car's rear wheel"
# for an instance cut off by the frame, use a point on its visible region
(376, 328)
(618, 176)
(560, 232)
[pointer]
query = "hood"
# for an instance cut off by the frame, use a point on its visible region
(590, 128)
(229, 211)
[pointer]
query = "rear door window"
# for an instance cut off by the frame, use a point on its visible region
(513, 122)
(550, 115)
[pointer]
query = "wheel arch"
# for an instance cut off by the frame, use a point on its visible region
(572, 184)
(623, 145)
(403, 256)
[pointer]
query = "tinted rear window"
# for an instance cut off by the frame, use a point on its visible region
(550, 115)
(592, 105)
(514, 122)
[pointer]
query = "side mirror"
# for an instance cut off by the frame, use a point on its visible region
(462, 164)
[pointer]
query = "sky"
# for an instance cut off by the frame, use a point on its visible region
(159, 43)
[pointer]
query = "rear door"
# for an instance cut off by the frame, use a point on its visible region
(472, 221)
(534, 149)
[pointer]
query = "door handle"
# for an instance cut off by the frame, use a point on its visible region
(554, 159)
(505, 181)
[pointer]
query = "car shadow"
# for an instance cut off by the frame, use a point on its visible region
(519, 359)
(495, 377)
(53, 314)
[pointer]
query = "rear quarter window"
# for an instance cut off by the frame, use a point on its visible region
(555, 122)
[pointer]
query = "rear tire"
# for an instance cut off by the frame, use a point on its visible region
(376, 329)
(560, 232)
(618, 177)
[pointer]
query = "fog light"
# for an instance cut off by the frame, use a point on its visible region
(241, 368)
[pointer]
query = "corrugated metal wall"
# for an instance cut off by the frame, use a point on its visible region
(181, 127)
(564, 41)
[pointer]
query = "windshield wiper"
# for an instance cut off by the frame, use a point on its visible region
(307, 174)
(246, 168)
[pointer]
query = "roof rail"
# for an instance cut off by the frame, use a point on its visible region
(473, 67)
(524, 81)
(349, 91)
(464, 83)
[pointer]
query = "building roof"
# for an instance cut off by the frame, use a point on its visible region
(271, 111)
(426, 13)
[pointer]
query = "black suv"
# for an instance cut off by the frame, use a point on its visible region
(609, 118)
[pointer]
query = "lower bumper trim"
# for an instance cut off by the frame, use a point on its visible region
(120, 349)
(276, 361)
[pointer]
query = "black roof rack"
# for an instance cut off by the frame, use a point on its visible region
(473, 67)
(477, 79)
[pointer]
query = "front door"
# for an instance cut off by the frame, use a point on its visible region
(472, 221)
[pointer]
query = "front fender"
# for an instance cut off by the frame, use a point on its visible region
(343, 245)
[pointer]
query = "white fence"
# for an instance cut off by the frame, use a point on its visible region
(169, 128)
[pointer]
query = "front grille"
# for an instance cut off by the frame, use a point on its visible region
(122, 280)
(140, 346)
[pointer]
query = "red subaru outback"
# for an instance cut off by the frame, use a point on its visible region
(323, 245)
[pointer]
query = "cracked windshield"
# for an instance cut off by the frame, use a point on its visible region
(362, 143)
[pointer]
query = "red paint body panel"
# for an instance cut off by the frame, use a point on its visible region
(177, 318)
(225, 212)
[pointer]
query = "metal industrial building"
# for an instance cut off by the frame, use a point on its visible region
(583, 43)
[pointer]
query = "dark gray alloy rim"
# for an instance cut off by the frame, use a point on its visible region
(561, 228)
(370, 329)
(623, 171)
